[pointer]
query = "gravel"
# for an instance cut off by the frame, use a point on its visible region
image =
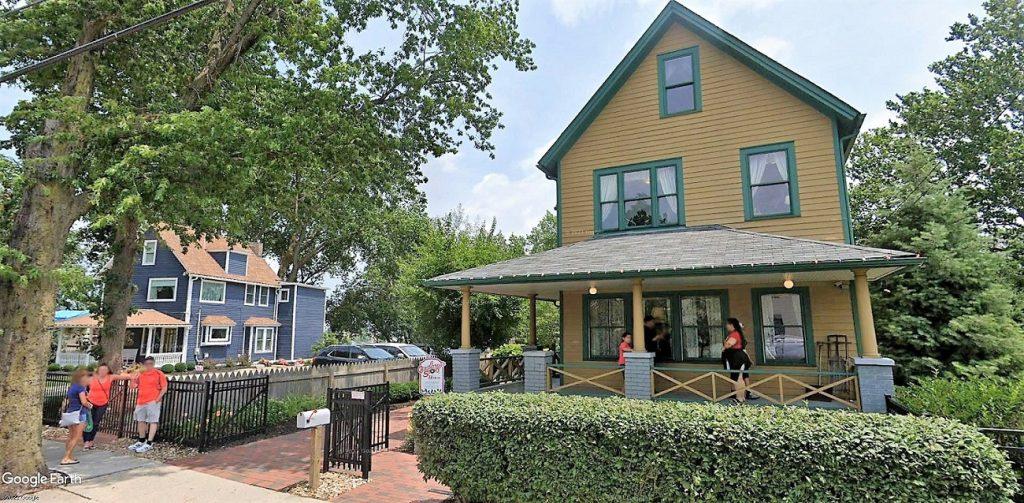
(161, 451)
(332, 484)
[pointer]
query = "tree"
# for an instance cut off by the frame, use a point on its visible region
(543, 237)
(958, 313)
(974, 121)
(450, 244)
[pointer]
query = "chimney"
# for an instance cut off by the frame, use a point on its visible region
(256, 247)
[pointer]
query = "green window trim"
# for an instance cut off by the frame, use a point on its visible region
(655, 196)
(698, 104)
(794, 189)
(805, 314)
(627, 300)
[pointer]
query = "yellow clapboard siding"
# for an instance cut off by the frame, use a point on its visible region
(740, 109)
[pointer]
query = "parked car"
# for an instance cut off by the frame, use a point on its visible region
(348, 353)
(400, 350)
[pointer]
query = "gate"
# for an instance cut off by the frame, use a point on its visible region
(360, 418)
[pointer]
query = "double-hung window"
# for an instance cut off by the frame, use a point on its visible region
(212, 292)
(639, 196)
(149, 252)
(283, 295)
(679, 82)
(769, 181)
(263, 297)
(263, 339)
(162, 290)
(784, 326)
(250, 295)
(606, 319)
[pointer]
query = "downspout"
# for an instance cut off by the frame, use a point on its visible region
(188, 319)
(295, 303)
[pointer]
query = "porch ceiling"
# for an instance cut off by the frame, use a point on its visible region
(695, 256)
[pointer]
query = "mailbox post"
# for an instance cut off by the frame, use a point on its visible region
(315, 419)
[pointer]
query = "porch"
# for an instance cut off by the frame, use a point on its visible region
(804, 304)
(147, 333)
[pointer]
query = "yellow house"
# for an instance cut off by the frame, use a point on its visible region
(702, 181)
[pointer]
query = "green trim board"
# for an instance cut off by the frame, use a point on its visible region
(627, 299)
(848, 118)
(792, 181)
(558, 206)
(707, 271)
(654, 195)
(805, 314)
(844, 199)
(676, 312)
(663, 88)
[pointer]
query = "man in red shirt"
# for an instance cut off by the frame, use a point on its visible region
(152, 384)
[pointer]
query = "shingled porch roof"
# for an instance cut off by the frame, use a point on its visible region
(705, 254)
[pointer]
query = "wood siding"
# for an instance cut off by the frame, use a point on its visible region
(740, 109)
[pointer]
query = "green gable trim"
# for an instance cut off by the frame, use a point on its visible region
(558, 205)
(805, 314)
(694, 54)
(704, 271)
(794, 189)
(651, 167)
(844, 199)
(848, 118)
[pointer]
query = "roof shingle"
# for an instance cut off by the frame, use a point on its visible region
(197, 260)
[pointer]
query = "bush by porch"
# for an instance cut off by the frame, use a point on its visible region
(499, 447)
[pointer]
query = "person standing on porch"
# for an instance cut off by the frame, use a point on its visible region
(99, 396)
(735, 358)
(650, 330)
(152, 384)
(626, 346)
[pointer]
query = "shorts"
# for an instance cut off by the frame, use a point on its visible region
(736, 359)
(147, 413)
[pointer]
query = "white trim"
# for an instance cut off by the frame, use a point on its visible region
(206, 336)
(223, 297)
(231, 279)
(149, 290)
(295, 305)
(280, 298)
(227, 261)
(307, 285)
(259, 296)
(188, 319)
(245, 296)
(145, 244)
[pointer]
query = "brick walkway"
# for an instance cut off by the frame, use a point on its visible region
(281, 462)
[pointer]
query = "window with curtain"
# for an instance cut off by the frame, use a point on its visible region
(769, 181)
(783, 328)
(212, 291)
(679, 82)
(606, 320)
(638, 196)
(703, 326)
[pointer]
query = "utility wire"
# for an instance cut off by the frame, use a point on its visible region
(100, 42)
(15, 10)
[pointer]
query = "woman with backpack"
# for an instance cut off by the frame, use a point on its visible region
(735, 359)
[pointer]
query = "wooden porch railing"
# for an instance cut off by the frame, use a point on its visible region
(500, 370)
(777, 387)
(603, 371)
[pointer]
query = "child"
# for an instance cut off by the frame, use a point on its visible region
(626, 346)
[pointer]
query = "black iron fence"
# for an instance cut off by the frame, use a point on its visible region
(501, 370)
(201, 414)
(360, 420)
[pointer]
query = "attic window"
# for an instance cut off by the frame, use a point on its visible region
(679, 82)
(149, 252)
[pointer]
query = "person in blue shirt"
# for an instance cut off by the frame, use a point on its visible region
(78, 401)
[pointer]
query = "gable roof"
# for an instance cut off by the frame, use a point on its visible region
(196, 260)
(847, 118)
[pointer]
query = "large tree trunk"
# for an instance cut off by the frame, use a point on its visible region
(118, 290)
(49, 206)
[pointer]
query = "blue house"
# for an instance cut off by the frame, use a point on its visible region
(225, 301)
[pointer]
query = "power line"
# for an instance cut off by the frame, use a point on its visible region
(15, 10)
(102, 41)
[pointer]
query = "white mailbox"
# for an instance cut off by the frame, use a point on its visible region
(311, 418)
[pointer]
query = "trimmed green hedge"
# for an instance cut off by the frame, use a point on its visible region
(404, 391)
(996, 402)
(499, 447)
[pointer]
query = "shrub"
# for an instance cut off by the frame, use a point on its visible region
(167, 368)
(327, 339)
(180, 367)
(404, 391)
(499, 447)
(190, 366)
(53, 367)
(985, 402)
(68, 368)
(510, 349)
(283, 411)
(91, 367)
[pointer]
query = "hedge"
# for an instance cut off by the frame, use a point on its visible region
(995, 402)
(498, 447)
(404, 391)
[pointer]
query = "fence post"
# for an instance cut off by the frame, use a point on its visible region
(367, 427)
(204, 431)
(329, 432)
(266, 397)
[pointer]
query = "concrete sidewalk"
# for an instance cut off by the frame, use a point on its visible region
(94, 463)
(165, 484)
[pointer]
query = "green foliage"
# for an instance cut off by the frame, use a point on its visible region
(283, 411)
(404, 391)
(959, 312)
(53, 367)
(452, 243)
(508, 349)
(68, 368)
(167, 368)
(329, 339)
(985, 402)
(190, 366)
(539, 447)
(180, 367)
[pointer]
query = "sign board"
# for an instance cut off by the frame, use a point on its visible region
(311, 418)
(358, 395)
(431, 371)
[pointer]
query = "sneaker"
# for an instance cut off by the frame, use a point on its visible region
(751, 396)
(144, 448)
(135, 446)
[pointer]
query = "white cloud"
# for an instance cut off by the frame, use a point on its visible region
(878, 118)
(570, 12)
(517, 202)
(775, 47)
(447, 163)
(718, 11)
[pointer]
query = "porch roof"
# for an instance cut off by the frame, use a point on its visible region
(261, 321)
(216, 320)
(141, 318)
(705, 251)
